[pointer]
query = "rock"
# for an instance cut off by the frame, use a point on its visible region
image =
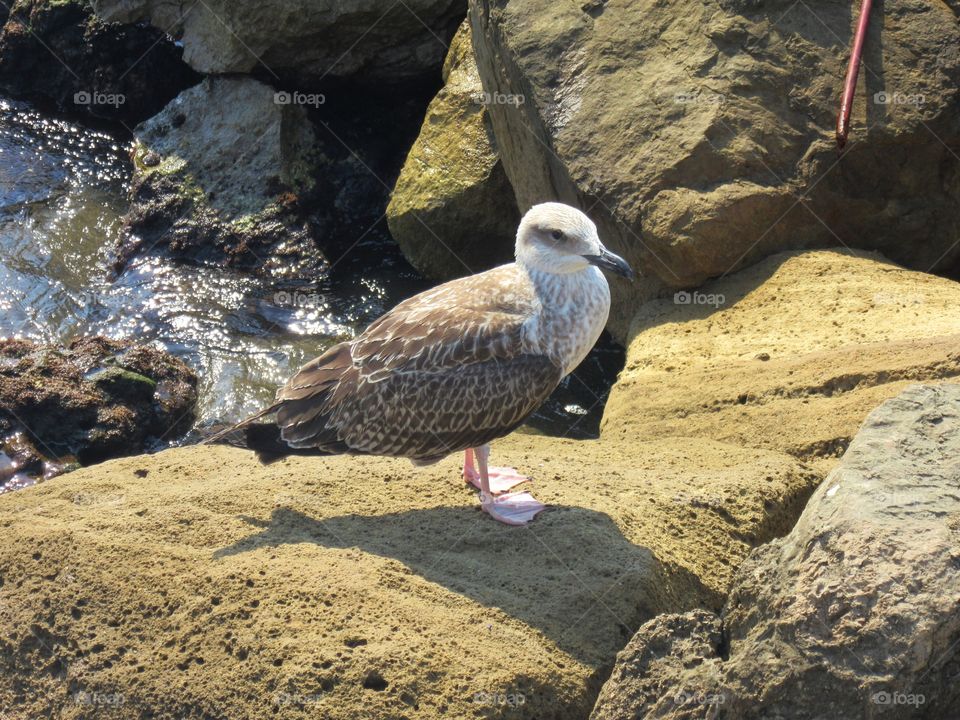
(313, 40)
(841, 334)
(853, 614)
(55, 52)
(700, 135)
(94, 399)
(452, 211)
(217, 177)
(198, 581)
(650, 675)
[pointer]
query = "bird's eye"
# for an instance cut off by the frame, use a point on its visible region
(557, 234)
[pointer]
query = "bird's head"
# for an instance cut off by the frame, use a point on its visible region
(557, 238)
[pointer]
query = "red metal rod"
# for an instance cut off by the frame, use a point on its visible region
(850, 86)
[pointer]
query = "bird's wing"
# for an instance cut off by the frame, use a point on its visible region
(442, 371)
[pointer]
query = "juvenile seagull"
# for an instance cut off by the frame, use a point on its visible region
(457, 366)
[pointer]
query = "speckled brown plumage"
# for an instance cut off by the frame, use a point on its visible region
(424, 381)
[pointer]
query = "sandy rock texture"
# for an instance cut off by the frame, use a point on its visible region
(193, 194)
(198, 583)
(452, 211)
(59, 54)
(854, 614)
(94, 399)
(311, 39)
(789, 354)
(700, 135)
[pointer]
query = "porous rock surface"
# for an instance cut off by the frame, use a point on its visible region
(854, 614)
(197, 582)
(789, 354)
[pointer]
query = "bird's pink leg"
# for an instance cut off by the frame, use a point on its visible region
(513, 508)
(501, 478)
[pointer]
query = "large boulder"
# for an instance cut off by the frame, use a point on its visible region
(789, 354)
(854, 614)
(57, 53)
(452, 211)
(197, 582)
(311, 39)
(94, 399)
(217, 175)
(701, 134)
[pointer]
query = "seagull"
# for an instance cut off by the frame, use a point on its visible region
(458, 366)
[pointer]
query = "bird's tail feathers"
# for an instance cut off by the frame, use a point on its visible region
(227, 434)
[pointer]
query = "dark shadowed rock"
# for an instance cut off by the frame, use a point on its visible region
(700, 135)
(854, 614)
(452, 211)
(367, 39)
(92, 400)
(58, 53)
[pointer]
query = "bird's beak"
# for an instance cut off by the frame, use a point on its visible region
(606, 260)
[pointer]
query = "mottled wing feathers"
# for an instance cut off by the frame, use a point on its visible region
(441, 372)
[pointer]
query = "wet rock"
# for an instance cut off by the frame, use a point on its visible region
(184, 586)
(217, 178)
(853, 614)
(452, 211)
(701, 134)
(789, 354)
(313, 40)
(92, 400)
(57, 53)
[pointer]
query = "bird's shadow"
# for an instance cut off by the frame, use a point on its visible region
(571, 574)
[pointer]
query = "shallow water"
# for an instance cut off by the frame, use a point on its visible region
(62, 194)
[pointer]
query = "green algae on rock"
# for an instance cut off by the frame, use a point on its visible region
(195, 196)
(94, 399)
(452, 210)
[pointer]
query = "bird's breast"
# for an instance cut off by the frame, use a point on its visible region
(573, 312)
